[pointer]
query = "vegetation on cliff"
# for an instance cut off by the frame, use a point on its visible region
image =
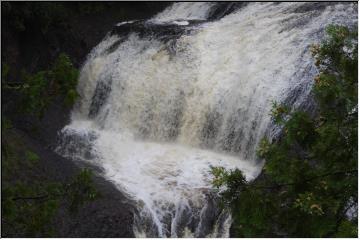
(39, 87)
(37, 90)
(308, 187)
(31, 200)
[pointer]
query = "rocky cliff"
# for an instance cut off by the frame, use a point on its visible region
(33, 35)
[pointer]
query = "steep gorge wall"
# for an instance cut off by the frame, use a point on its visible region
(32, 48)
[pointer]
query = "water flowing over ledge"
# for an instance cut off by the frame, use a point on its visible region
(165, 99)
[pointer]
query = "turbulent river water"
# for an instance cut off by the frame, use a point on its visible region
(164, 99)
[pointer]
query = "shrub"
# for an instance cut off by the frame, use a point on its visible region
(309, 181)
(40, 89)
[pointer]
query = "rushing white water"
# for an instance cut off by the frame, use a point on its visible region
(158, 108)
(184, 10)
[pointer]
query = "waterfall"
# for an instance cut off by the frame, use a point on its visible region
(163, 100)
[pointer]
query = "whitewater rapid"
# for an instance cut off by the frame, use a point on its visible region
(163, 100)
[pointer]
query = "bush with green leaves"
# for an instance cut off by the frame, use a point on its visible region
(28, 209)
(81, 190)
(5, 68)
(308, 187)
(25, 212)
(41, 88)
(65, 78)
(30, 199)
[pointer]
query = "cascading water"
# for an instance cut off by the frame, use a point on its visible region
(163, 100)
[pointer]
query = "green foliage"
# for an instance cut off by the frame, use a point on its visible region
(231, 179)
(35, 94)
(32, 157)
(309, 181)
(336, 85)
(279, 112)
(29, 209)
(5, 68)
(30, 201)
(24, 209)
(81, 190)
(41, 88)
(347, 229)
(6, 124)
(307, 203)
(71, 97)
(65, 76)
(29, 216)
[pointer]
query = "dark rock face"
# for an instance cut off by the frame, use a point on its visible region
(110, 215)
(164, 32)
(102, 91)
(224, 8)
(33, 50)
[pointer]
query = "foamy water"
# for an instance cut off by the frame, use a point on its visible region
(156, 112)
